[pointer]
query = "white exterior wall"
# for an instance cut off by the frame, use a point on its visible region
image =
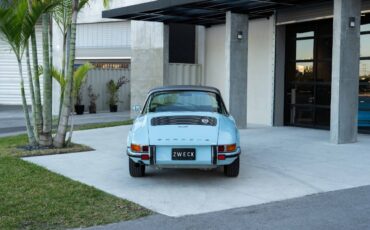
(215, 64)
(9, 74)
(261, 56)
(261, 43)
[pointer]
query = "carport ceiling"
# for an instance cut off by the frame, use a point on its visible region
(201, 12)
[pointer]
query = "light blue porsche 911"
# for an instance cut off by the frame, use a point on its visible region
(183, 127)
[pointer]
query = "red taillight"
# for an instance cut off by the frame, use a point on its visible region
(145, 149)
(221, 148)
(145, 157)
(221, 157)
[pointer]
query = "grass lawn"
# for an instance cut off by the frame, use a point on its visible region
(103, 125)
(9, 146)
(32, 197)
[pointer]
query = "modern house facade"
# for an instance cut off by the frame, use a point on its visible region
(277, 63)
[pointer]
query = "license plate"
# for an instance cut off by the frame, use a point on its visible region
(183, 154)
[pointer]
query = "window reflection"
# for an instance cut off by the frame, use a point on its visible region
(305, 34)
(304, 71)
(364, 96)
(365, 45)
(365, 27)
(304, 50)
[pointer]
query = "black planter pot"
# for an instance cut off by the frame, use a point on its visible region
(79, 109)
(113, 108)
(92, 109)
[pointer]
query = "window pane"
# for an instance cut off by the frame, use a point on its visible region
(364, 97)
(304, 71)
(322, 117)
(302, 94)
(324, 71)
(364, 70)
(323, 94)
(325, 46)
(185, 101)
(301, 115)
(365, 45)
(365, 27)
(305, 34)
(304, 50)
(364, 108)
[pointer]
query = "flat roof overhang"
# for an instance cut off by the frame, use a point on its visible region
(200, 12)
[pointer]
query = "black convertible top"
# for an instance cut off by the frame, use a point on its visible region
(185, 88)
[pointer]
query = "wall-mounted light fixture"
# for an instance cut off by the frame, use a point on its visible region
(240, 35)
(352, 22)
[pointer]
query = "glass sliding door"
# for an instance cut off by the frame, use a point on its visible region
(308, 74)
(364, 78)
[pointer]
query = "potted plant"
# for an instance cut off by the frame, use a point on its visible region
(113, 88)
(79, 78)
(93, 98)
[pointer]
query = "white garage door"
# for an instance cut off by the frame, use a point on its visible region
(9, 74)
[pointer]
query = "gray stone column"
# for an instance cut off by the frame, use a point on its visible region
(236, 66)
(345, 73)
(279, 85)
(166, 54)
(147, 62)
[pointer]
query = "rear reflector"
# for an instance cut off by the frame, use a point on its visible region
(221, 157)
(231, 148)
(145, 157)
(135, 148)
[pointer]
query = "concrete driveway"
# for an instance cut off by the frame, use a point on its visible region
(276, 164)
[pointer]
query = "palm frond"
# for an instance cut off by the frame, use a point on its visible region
(79, 77)
(106, 3)
(82, 4)
(18, 21)
(57, 75)
(63, 15)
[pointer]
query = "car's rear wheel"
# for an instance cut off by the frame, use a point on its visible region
(136, 169)
(232, 170)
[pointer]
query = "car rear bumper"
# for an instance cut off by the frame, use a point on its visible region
(159, 156)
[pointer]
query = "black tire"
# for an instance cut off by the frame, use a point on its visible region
(136, 169)
(232, 170)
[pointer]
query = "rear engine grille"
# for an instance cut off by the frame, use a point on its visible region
(184, 120)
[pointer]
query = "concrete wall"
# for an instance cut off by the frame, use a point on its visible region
(261, 45)
(147, 59)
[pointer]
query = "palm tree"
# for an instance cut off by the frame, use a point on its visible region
(17, 24)
(59, 139)
(37, 106)
(18, 19)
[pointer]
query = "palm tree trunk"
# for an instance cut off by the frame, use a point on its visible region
(63, 74)
(46, 138)
(32, 92)
(38, 106)
(59, 140)
(31, 137)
